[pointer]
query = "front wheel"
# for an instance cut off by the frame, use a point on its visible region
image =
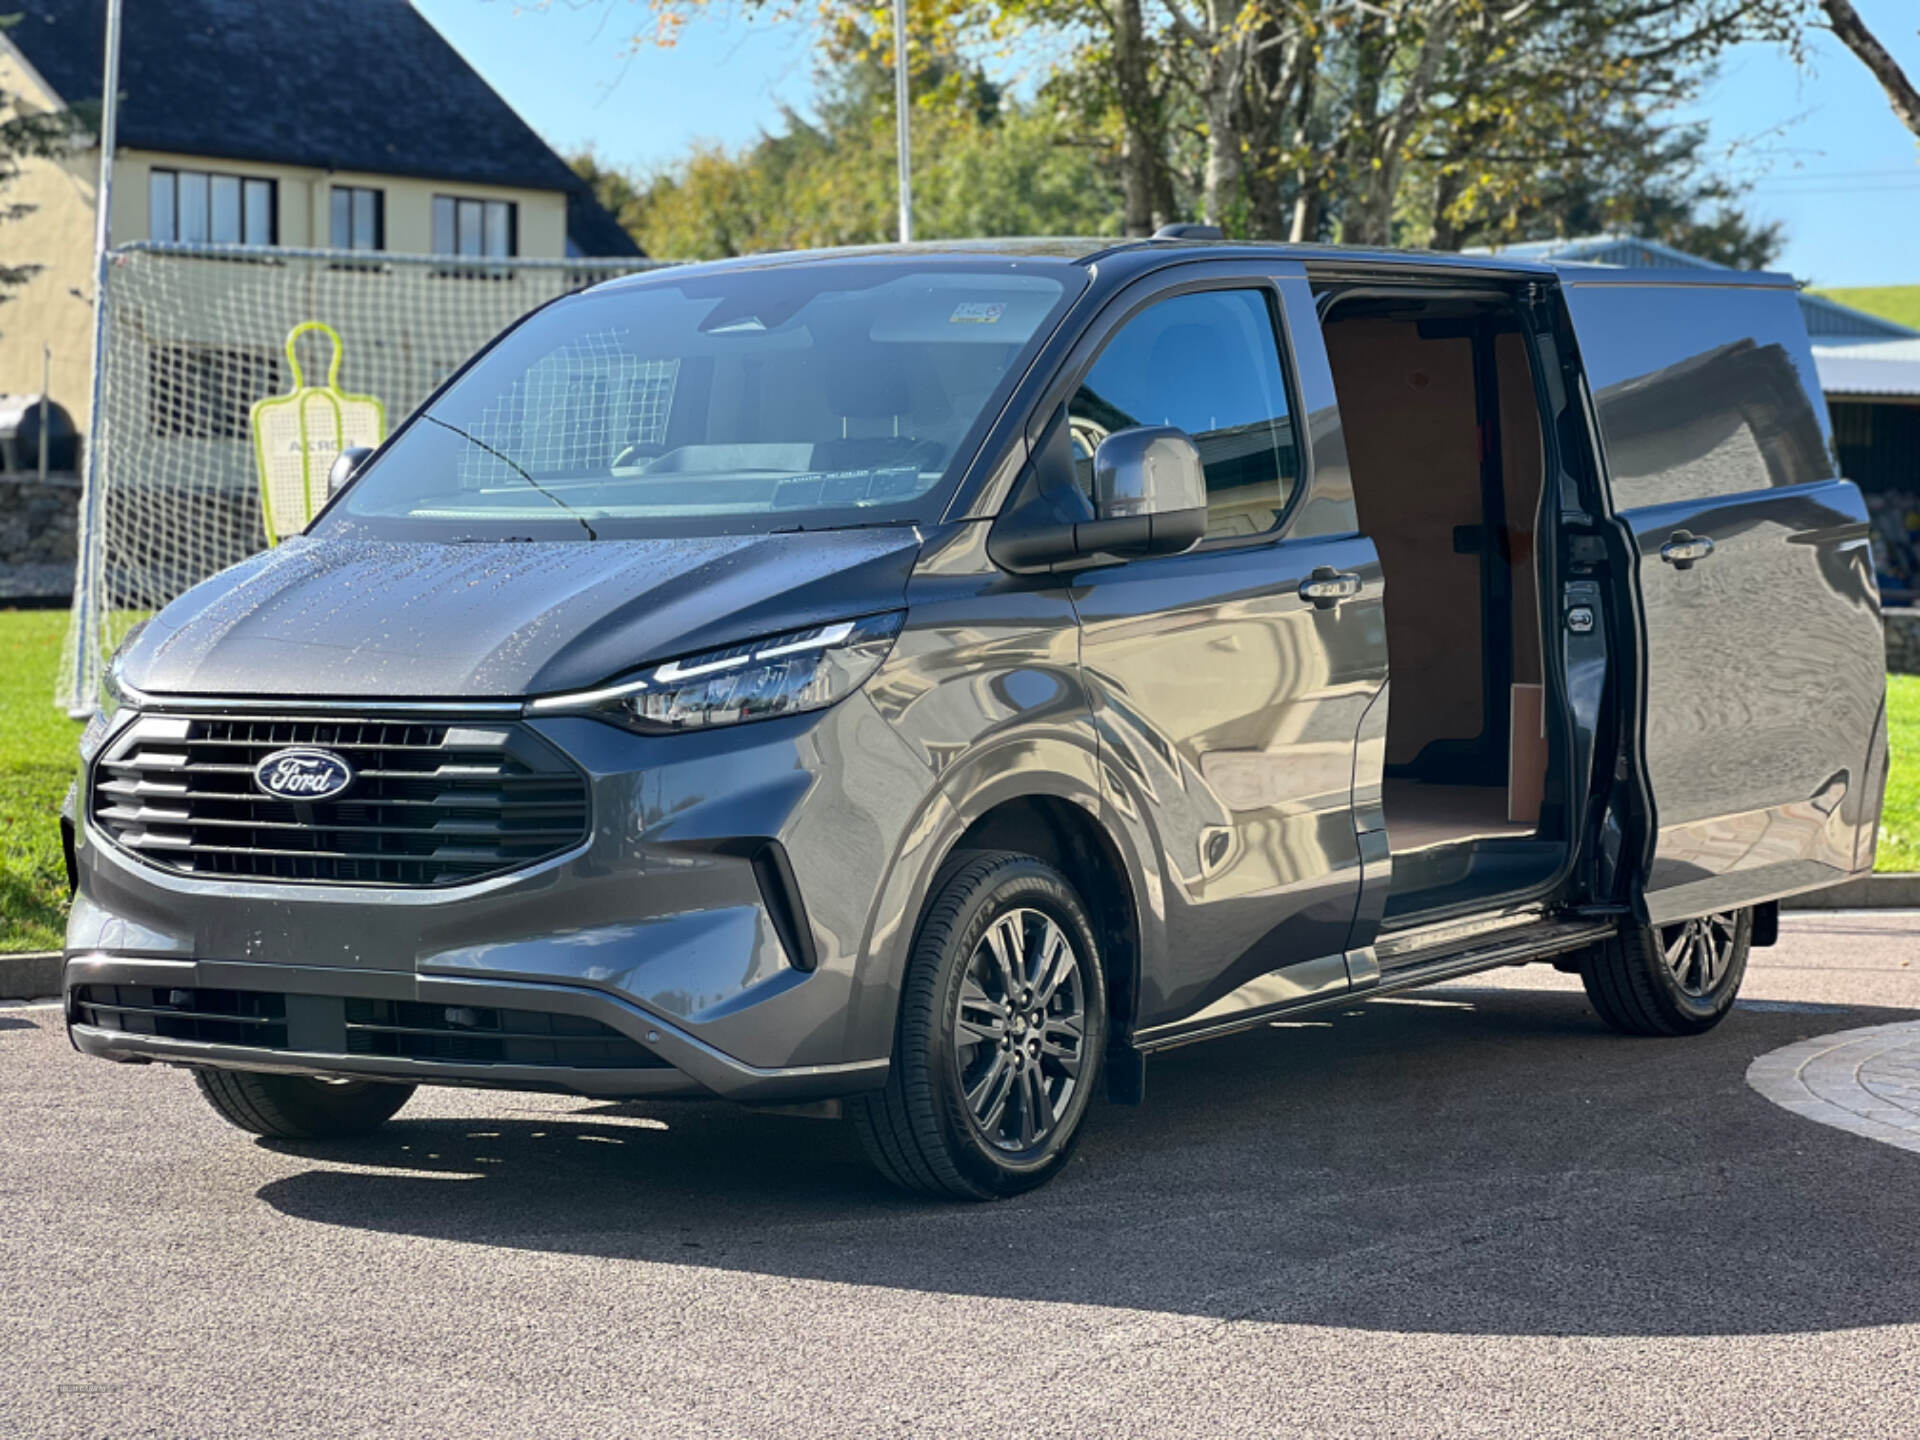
(300, 1107)
(1676, 979)
(1003, 1021)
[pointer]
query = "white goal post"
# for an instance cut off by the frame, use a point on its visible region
(195, 337)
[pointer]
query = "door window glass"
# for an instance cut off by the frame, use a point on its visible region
(1209, 363)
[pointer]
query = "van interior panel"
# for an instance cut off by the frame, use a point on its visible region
(1444, 441)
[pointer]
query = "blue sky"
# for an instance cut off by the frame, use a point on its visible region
(1822, 148)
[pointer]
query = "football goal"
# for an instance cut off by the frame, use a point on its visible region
(230, 378)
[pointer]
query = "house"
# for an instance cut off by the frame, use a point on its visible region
(1870, 373)
(339, 124)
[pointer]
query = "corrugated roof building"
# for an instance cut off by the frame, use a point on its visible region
(1828, 321)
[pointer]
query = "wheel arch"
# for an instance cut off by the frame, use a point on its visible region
(1064, 835)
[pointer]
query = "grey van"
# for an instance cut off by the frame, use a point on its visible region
(920, 684)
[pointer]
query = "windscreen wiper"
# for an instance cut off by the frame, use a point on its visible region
(514, 466)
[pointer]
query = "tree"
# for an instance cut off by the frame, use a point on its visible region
(1852, 32)
(983, 165)
(24, 134)
(1376, 122)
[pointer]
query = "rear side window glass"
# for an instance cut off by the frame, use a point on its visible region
(1209, 363)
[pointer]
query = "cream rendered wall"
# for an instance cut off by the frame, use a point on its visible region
(305, 204)
(58, 234)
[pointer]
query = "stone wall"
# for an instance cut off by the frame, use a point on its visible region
(39, 525)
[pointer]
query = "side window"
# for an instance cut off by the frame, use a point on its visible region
(1208, 362)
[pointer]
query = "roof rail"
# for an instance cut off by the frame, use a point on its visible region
(1189, 232)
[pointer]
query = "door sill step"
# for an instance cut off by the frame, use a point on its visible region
(1510, 941)
(1444, 962)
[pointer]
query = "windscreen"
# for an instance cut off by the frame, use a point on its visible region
(791, 397)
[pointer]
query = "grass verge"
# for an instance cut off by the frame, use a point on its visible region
(37, 761)
(1898, 303)
(1900, 821)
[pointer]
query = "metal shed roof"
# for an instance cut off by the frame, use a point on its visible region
(1888, 368)
(1828, 321)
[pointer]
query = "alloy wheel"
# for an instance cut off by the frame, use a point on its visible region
(1020, 1029)
(1699, 951)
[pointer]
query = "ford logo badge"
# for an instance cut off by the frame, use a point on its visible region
(303, 775)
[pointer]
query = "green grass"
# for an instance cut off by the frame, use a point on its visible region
(1900, 821)
(37, 760)
(1898, 303)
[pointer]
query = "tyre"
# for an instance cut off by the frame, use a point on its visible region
(1003, 1021)
(1670, 979)
(300, 1107)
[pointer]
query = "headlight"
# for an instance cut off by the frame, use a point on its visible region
(108, 701)
(780, 675)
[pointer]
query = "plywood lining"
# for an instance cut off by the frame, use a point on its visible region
(1410, 406)
(1413, 442)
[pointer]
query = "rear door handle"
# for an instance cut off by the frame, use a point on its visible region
(1685, 548)
(1327, 587)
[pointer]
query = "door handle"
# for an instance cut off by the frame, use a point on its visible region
(1327, 587)
(1685, 548)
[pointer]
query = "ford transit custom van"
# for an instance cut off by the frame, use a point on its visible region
(920, 684)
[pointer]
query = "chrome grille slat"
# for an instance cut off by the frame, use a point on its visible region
(435, 803)
(459, 830)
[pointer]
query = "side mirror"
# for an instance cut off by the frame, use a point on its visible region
(1149, 494)
(345, 464)
(1149, 498)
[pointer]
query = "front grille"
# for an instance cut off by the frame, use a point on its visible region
(332, 1025)
(440, 803)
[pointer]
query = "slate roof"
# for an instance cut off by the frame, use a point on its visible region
(333, 84)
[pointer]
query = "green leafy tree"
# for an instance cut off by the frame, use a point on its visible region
(984, 164)
(1435, 122)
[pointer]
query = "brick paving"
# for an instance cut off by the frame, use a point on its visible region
(1864, 1081)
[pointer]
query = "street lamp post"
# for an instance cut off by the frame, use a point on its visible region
(901, 128)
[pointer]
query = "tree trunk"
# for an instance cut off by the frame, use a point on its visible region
(1222, 87)
(1361, 152)
(1855, 35)
(1144, 192)
(1444, 234)
(1395, 129)
(1304, 228)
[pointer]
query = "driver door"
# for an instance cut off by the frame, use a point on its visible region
(1228, 702)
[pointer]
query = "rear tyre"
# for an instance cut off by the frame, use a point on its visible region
(300, 1107)
(1003, 1020)
(1670, 979)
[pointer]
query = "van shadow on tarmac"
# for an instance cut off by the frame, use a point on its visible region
(1461, 1161)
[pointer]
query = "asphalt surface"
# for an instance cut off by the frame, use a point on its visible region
(1470, 1211)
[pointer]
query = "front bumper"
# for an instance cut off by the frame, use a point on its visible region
(657, 927)
(686, 1066)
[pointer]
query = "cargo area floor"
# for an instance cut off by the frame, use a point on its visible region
(1420, 815)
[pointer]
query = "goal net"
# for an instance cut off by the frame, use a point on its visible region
(229, 378)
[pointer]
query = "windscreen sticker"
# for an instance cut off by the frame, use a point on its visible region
(977, 312)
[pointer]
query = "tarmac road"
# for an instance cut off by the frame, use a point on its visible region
(1469, 1211)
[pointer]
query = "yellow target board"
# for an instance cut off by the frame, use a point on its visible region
(297, 435)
